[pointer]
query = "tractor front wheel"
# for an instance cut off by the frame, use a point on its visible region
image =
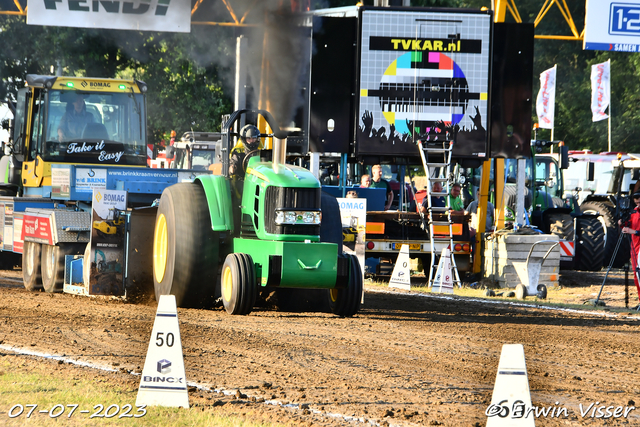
(239, 286)
(346, 302)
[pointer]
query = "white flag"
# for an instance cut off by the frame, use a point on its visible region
(600, 90)
(545, 104)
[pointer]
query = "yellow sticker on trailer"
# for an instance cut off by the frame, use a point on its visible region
(412, 246)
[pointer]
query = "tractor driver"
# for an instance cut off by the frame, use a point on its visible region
(250, 136)
(74, 119)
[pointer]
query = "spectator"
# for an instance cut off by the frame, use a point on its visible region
(365, 181)
(436, 201)
(378, 182)
(632, 226)
(454, 199)
(472, 209)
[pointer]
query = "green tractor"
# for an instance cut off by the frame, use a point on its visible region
(220, 236)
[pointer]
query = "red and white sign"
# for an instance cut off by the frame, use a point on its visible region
(567, 249)
(37, 229)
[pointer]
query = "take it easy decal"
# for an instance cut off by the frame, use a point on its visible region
(103, 156)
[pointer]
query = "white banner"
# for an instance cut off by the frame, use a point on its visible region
(139, 15)
(600, 90)
(546, 101)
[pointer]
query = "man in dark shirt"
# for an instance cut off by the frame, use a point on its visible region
(250, 137)
(436, 201)
(74, 120)
(378, 182)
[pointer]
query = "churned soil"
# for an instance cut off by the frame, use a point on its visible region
(405, 359)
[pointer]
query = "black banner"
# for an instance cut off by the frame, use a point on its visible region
(425, 45)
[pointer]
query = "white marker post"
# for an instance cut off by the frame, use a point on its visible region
(163, 381)
(443, 282)
(401, 276)
(511, 396)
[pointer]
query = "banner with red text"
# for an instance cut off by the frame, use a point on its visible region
(600, 90)
(546, 101)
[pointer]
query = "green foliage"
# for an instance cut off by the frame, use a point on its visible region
(183, 71)
(190, 76)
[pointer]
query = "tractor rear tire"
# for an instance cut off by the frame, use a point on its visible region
(52, 265)
(561, 225)
(589, 251)
(611, 232)
(346, 302)
(31, 273)
(239, 286)
(185, 249)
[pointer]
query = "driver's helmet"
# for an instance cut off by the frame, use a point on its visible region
(250, 136)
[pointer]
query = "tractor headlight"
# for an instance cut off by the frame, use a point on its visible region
(298, 217)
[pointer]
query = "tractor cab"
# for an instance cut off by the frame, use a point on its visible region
(77, 120)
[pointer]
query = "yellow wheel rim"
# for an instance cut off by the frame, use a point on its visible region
(333, 293)
(160, 247)
(227, 284)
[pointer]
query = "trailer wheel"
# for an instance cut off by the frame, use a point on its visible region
(31, 274)
(346, 302)
(185, 249)
(611, 232)
(52, 265)
(589, 251)
(239, 287)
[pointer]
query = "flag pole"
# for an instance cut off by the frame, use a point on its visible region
(610, 102)
(555, 72)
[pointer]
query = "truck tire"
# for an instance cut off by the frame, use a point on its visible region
(239, 286)
(611, 232)
(31, 274)
(185, 249)
(346, 302)
(52, 265)
(589, 251)
(561, 224)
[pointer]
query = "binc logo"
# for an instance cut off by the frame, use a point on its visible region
(128, 7)
(164, 366)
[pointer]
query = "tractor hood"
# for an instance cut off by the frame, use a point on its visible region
(288, 176)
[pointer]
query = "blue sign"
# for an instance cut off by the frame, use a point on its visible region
(612, 26)
(624, 19)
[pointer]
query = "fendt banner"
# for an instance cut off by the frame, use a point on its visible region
(139, 15)
(612, 25)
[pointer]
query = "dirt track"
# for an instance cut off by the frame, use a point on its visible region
(403, 360)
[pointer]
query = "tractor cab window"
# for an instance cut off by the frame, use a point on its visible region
(548, 175)
(95, 127)
(35, 147)
(202, 159)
